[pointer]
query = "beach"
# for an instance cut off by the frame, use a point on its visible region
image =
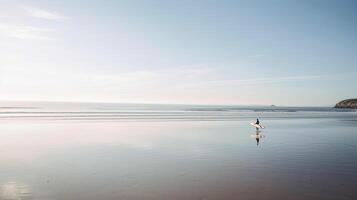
(307, 155)
(178, 100)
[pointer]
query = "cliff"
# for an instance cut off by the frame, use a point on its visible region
(348, 103)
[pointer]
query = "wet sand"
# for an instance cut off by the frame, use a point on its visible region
(294, 159)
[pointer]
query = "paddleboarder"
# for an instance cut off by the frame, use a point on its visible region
(257, 122)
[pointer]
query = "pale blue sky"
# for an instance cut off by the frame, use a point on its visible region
(203, 52)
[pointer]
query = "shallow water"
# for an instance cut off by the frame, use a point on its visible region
(159, 112)
(296, 158)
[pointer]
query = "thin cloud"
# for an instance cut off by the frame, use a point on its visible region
(44, 14)
(24, 32)
(257, 81)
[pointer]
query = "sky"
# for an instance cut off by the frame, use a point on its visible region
(297, 53)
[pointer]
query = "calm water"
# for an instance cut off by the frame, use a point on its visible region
(116, 151)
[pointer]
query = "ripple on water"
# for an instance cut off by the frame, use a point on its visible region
(15, 191)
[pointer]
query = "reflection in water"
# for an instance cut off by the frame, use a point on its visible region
(14, 191)
(177, 160)
(258, 136)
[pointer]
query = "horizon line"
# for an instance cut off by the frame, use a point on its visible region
(154, 103)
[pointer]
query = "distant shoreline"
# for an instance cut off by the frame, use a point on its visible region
(347, 104)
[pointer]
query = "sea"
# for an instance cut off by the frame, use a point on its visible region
(91, 151)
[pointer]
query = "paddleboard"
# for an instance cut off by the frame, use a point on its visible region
(257, 125)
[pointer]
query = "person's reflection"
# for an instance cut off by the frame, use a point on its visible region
(257, 139)
(258, 136)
